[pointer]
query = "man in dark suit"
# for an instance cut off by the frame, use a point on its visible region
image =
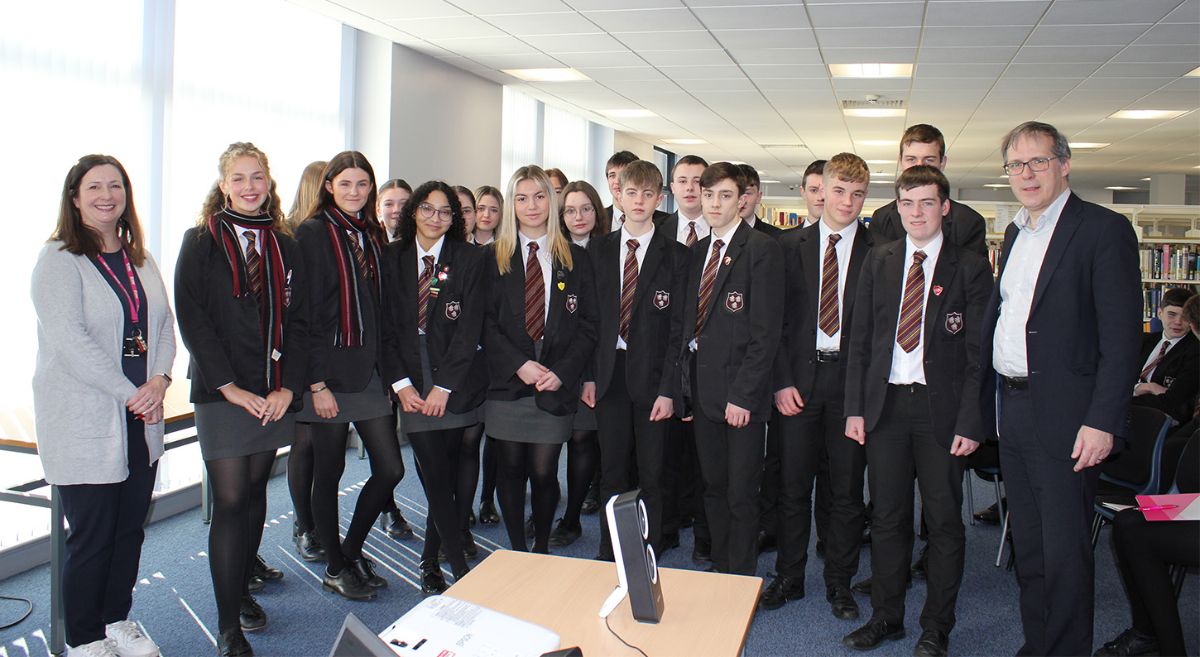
(733, 313)
(612, 173)
(683, 490)
(924, 144)
(822, 269)
(751, 200)
(1170, 373)
(813, 192)
(912, 390)
(640, 278)
(1060, 355)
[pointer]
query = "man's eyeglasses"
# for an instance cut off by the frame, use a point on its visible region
(1036, 165)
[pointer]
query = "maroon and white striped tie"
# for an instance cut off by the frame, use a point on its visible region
(908, 333)
(628, 288)
(707, 280)
(828, 317)
(423, 284)
(692, 237)
(253, 263)
(535, 296)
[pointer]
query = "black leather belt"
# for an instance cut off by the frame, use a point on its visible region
(827, 356)
(1015, 382)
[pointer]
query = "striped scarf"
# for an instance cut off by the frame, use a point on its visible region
(349, 332)
(224, 227)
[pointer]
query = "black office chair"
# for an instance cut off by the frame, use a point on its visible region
(1137, 469)
(985, 463)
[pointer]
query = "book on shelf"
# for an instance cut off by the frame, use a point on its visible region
(1175, 262)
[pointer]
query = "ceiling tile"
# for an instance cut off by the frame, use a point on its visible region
(786, 71)
(644, 20)
(742, 85)
(1177, 53)
(703, 72)
(518, 61)
(1144, 70)
(1085, 35)
(986, 55)
(1010, 83)
(752, 17)
(1171, 33)
(1068, 70)
(492, 8)
(667, 40)
(769, 56)
(969, 14)
(883, 55)
(959, 70)
(390, 10)
(503, 45)
(1065, 54)
(550, 23)
(975, 36)
(768, 38)
(582, 60)
(586, 5)
(869, 37)
(1168, 100)
(1188, 11)
(686, 57)
(446, 28)
(1113, 12)
(890, 86)
(923, 83)
(557, 43)
(850, 14)
(621, 73)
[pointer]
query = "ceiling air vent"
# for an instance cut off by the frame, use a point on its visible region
(872, 104)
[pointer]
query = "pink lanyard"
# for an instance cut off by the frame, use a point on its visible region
(135, 301)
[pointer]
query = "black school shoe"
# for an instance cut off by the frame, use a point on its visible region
(432, 581)
(872, 634)
(251, 616)
(232, 643)
(347, 584)
(364, 569)
(780, 590)
(562, 536)
(487, 513)
(395, 525)
(1129, 642)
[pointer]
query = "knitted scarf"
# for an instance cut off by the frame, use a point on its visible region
(349, 332)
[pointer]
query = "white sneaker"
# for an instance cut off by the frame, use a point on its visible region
(101, 648)
(128, 640)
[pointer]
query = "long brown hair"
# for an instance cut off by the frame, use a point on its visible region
(78, 238)
(307, 193)
(215, 201)
(352, 160)
(603, 221)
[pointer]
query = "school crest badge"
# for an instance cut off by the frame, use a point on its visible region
(572, 303)
(662, 299)
(453, 310)
(734, 302)
(954, 323)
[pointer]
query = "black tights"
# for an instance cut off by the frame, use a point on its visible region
(538, 464)
(387, 469)
(583, 455)
(468, 471)
(435, 452)
(300, 476)
(239, 491)
(491, 463)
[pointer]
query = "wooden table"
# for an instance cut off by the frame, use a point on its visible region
(705, 613)
(17, 434)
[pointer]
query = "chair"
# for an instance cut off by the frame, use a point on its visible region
(985, 463)
(1139, 467)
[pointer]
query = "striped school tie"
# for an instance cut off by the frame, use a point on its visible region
(692, 237)
(829, 318)
(707, 280)
(423, 284)
(253, 263)
(628, 288)
(1144, 377)
(359, 256)
(908, 334)
(535, 296)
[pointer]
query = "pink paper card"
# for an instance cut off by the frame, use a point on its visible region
(1159, 508)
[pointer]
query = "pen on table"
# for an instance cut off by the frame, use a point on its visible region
(1157, 507)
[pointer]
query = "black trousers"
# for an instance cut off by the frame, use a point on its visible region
(683, 488)
(435, 453)
(625, 431)
(902, 446)
(847, 512)
(104, 543)
(801, 445)
(770, 489)
(731, 462)
(1050, 513)
(1145, 551)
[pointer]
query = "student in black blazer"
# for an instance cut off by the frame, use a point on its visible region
(342, 244)
(539, 333)
(923, 144)
(640, 278)
(810, 386)
(912, 384)
(683, 489)
(1060, 348)
(734, 315)
(1170, 374)
(240, 300)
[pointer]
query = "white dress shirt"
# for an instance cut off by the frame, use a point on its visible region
(581, 242)
(1154, 353)
(702, 229)
(436, 252)
(1017, 285)
(842, 249)
(640, 255)
(543, 255)
(729, 231)
(246, 243)
(808, 221)
(909, 367)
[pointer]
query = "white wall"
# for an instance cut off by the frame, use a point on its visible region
(623, 141)
(371, 131)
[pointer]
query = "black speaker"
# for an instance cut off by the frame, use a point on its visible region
(637, 568)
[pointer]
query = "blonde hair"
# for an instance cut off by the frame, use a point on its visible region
(215, 201)
(506, 232)
(847, 167)
(307, 193)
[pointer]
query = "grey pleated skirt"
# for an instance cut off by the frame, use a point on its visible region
(368, 404)
(416, 422)
(522, 421)
(226, 431)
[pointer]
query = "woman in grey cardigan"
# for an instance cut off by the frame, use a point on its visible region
(106, 342)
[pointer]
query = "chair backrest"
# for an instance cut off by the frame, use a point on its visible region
(1138, 467)
(1189, 463)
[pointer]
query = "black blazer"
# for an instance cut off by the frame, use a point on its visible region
(343, 369)
(1083, 330)
(224, 334)
(795, 363)
(964, 227)
(767, 228)
(736, 347)
(656, 326)
(570, 336)
(950, 337)
(1179, 373)
(452, 331)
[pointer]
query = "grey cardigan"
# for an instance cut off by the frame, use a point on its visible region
(79, 389)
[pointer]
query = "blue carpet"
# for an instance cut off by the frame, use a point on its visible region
(174, 600)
